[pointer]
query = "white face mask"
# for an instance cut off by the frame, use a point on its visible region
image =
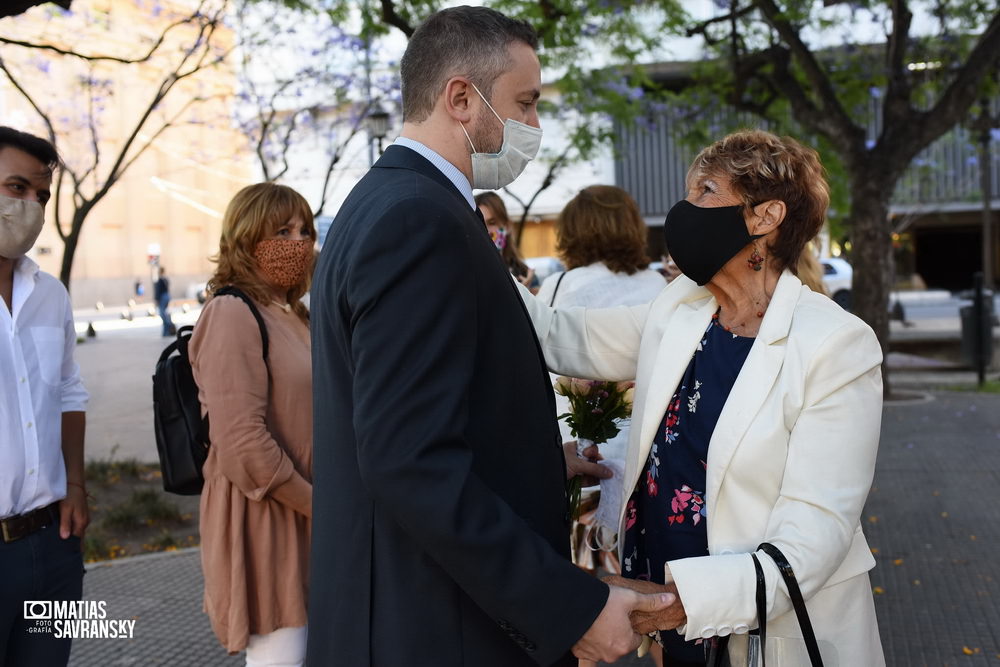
(491, 171)
(20, 224)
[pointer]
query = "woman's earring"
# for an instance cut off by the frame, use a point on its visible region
(756, 260)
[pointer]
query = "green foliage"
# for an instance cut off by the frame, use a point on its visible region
(595, 407)
(601, 55)
(145, 506)
(110, 471)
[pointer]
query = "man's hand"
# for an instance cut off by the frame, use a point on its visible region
(74, 515)
(586, 465)
(611, 636)
(644, 622)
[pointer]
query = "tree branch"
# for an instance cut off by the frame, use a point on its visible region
(390, 17)
(963, 90)
(286, 143)
(550, 176)
(747, 69)
(92, 126)
(896, 106)
(98, 58)
(34, 105)
(156, 135)
(50, 128)
(835, 117)
(203, 42)
(550, 12)
(847, 138)
(337, 154)
(702, 28)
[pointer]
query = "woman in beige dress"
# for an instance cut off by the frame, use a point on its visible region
(256, 505)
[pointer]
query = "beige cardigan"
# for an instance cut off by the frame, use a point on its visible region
(257, 502)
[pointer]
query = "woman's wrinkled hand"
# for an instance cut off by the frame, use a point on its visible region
(670, 618)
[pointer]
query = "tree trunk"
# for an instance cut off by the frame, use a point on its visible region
(871, 242)
(69, 245)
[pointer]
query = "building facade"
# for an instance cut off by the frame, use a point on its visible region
(184, 162)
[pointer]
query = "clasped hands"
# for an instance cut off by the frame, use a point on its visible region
(634, 608)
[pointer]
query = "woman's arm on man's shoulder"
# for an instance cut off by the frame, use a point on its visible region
(598, 343)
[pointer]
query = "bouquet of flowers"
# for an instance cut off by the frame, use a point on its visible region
(595, 408)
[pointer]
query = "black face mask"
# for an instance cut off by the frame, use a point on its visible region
(701, 240)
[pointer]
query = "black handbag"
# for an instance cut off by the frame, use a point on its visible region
(758, 638)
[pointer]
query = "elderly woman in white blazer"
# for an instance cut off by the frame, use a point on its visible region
(792, 454)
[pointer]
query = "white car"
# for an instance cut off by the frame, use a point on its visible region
(837, 280)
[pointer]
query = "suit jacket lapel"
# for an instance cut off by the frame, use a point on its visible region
(677, 344)
(753, 385)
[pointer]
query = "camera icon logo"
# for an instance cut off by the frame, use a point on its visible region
(37, 610)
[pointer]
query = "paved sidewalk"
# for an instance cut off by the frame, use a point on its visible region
(933, 518)
(162, 592)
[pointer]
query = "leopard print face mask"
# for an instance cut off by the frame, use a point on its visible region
(284, 262)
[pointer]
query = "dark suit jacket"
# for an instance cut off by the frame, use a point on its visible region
(440, 524)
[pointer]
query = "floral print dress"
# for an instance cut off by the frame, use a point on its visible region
(665, 518)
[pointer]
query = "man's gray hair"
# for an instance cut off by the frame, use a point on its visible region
(461, 41)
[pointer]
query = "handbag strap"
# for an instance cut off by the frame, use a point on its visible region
(232, 290)
(761, 607)
(552, 301)
(785, 568)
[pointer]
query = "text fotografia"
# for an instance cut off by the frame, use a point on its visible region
(76, 619)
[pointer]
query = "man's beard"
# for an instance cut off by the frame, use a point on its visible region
(485, 135)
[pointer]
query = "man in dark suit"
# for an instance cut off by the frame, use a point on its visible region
(440, 520)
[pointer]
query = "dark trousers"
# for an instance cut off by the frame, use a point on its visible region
(39, 567)
(161, 304)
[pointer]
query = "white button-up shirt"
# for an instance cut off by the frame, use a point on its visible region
(39, 380)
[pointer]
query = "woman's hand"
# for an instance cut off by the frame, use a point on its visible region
(586, 465)
(670, 618)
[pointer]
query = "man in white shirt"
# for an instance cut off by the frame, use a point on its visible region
(43, 501)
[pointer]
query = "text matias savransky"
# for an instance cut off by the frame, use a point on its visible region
(76, 619)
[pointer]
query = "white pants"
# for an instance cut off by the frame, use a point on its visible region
(285, 647)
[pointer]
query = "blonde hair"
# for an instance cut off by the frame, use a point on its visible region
(256, 213)
(810, 271)
(762, 166)
(602, 223)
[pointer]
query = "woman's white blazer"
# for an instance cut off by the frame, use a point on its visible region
(790, 462)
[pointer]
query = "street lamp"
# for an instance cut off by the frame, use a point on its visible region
(984, 126)
(378, 124)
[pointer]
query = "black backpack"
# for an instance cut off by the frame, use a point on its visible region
(181, 432)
